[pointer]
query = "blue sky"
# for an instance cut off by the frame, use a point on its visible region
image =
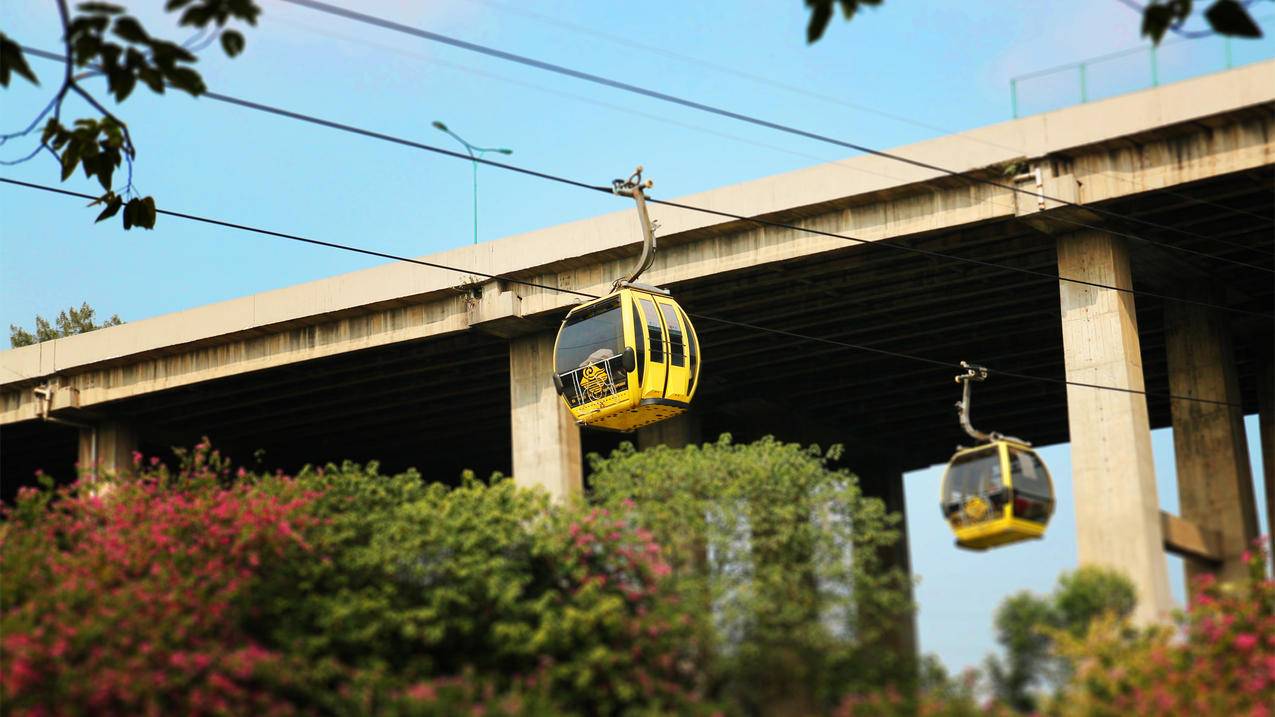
(939, 65)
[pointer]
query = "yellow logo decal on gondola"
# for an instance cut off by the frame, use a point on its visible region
(594, 379)
(976, 508)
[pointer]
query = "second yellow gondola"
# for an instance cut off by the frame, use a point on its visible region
(630, 358)
(998, 492)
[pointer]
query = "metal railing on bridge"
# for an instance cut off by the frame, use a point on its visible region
(1131, 70)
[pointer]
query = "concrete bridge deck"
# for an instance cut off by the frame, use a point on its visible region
(398, 363)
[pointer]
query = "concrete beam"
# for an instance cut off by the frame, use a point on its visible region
(1215, 481)
(545, 437)
(1188, 540)
(1084, 153)
(1113, 474)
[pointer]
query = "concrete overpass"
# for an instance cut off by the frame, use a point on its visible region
(418, 366)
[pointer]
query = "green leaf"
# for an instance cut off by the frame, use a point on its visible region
(184, 78)
(232, 42)
(1159, 16)
(121, 83)
(130, 213)
(70, 158)
(149, 214)
(130, 29)
(106, 165)
(1229, 18)
(820, 14)
(99, 7)
(113, 206)
(197, 15)
(1155, 22)
(52, 129)
(152, 78)
(12, 61)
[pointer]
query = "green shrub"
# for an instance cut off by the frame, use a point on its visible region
(414, 582)
(781, 557)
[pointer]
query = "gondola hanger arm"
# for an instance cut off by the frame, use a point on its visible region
(972, 373)
(634, 187)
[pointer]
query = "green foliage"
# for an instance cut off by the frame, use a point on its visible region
(780, 555)
(12, 61)
(101, 36)
(1221, 661)
(1225, 17)
(68, 323)
(1026, 624)
(418, 582)
(821, 13)
(342, 592)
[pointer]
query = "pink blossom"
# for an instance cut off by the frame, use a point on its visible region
(1245, 641)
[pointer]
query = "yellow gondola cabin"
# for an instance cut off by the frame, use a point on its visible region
(627, 360)
(998, 492)
(630, 358)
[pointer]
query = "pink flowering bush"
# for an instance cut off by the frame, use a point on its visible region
(1220, 662)
(211, 591)
(125, 598)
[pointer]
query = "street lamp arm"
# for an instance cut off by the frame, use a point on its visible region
(474, 153)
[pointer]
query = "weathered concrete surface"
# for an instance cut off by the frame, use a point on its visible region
(1215, 481)
(870, 198)
(1190, 541)
(546, 440)
(1113, 474)
(1266, 423)
(113, 442)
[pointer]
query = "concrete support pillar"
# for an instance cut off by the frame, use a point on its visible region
(1266, 424)
(546, 439)
(1215, 480)
(1113, 474)
(677, 432)
(885, 482)
(107, 447)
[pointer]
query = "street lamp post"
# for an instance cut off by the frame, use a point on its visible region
(474, 154)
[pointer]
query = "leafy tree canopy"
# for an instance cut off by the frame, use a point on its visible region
(68, 323)
(1026, 625)
(103, 40)
(786, 556)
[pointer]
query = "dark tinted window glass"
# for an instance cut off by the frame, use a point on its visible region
(639, 342)
(589, 336)
(975, 474)
(693, 342)
(1028, 475)
(654, 331)
(676, 351)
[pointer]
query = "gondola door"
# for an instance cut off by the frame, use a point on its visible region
(648, 319)
(677, 351)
